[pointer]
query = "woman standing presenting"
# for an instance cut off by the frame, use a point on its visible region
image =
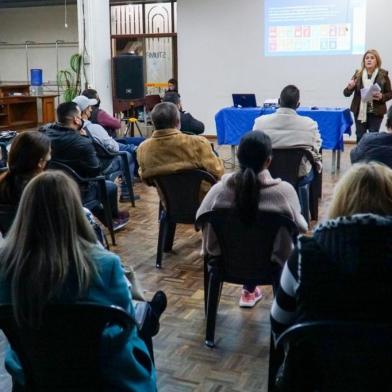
(369, 115)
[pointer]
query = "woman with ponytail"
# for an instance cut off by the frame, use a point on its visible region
(250, 189)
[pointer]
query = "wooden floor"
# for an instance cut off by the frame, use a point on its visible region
(240, 360)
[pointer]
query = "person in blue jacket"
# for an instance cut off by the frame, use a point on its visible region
(51, 255)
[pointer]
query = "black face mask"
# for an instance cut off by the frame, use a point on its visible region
(80, 126)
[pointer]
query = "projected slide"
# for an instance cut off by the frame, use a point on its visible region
(319, 27)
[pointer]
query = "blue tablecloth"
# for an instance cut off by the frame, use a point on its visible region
(232, 123)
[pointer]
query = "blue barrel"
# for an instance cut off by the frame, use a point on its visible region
(36, 77)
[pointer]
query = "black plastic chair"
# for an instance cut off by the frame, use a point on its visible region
(334, 356)
(64, 353)
(179, 201)
(7, 216)
(285, 165)
(107, 157)
(84, 183)
(246, 251)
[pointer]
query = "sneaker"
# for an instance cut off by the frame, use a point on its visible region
(121, 220)
(248, 300)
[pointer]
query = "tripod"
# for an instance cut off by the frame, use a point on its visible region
(131, 121)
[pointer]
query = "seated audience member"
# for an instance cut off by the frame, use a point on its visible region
(248, 190)
(110, 123)
(29, 153)
(71, 145)
(172, 86)
(99, 116)
(100, 135)
(169, 151)
(188, 123)
(344, 271)
(48, 266)
(375, 146)
(28, 156)
(287, 129)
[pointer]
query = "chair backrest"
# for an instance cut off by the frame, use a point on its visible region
(64, 354)
(7, 216)
(56, 165)
(180, 193)
(336, 356)
(150, 101)
(285, 163)
(83, 183)
(246, 248)
(105, 156)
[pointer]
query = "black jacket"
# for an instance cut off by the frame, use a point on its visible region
(190, 125)
(379, 107)
(346, 270)
(374, 147)
(73, 149)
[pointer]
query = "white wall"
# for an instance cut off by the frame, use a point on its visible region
(95, 15)
(220, 51)
(39, 24)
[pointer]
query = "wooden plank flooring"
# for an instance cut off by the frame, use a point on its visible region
(184, 364)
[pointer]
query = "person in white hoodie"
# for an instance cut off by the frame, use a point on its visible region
(249, 189)
(288, 129)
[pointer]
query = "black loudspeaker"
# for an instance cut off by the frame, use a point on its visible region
(128, 76)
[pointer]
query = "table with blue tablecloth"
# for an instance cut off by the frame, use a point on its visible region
(232, 123)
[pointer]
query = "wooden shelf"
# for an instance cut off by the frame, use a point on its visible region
(18, 111)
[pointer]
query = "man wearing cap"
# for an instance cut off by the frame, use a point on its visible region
(100, 135)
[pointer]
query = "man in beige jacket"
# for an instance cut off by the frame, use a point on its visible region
(169, 150)
(287, 129)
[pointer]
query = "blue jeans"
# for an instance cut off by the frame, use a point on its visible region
(306, 179)
(130, 145)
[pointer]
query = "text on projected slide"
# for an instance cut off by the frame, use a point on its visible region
(317, 27)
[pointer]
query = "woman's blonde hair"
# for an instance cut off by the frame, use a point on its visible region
(48, 245)
(365, 188)
(375, 54)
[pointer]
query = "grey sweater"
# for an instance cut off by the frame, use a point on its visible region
(275, 196)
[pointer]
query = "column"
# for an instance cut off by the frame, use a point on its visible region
(94, 44)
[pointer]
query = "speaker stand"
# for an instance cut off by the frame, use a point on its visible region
(132, 121)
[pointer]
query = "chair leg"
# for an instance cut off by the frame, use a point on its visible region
(128, 178)
(169, 236)
(205, 265)
(107, 210)
(214, 289)
(161, 236)
(275, 361)
(314, 200)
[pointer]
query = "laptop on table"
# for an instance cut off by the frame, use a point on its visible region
(244, 100)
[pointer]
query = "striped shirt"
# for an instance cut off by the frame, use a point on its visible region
(283, 311)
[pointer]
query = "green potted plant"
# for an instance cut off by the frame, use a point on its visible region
(70, 79)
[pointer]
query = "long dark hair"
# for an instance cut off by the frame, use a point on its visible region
(27, 150)
(253, 152)
(49, 241)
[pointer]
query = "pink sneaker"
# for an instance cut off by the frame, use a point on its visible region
(248, 300)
